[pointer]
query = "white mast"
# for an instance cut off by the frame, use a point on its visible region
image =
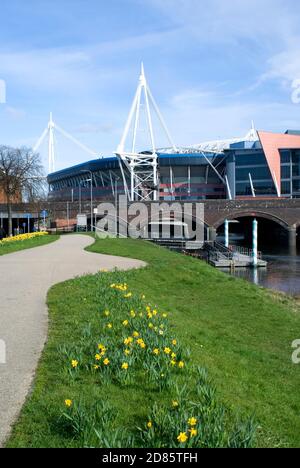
(49, 132)
(51, 150)
(143, 168)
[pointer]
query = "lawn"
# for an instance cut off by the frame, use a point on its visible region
(240, 333)
(26, 244)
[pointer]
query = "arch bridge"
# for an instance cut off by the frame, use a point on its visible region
(285, 213)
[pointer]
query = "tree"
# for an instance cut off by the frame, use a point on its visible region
(21, 172)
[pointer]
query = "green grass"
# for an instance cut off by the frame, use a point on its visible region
(26, 244)
(241, 333)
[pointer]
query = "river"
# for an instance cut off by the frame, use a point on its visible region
(282, 273)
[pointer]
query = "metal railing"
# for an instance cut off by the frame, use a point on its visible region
(218, 252)
(244, 251)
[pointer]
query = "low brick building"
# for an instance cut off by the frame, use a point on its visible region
(16, 199)
(2, 196)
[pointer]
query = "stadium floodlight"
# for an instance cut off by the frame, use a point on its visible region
(142, 167)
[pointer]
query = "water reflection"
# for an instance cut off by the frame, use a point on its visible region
(282, 274)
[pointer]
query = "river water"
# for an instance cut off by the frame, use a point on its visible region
(282, 273)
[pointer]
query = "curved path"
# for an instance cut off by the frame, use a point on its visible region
(26, 277)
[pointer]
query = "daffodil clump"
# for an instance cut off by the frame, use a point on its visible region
(194, 419)
(22, 237)
(130, 344)
(135, 337)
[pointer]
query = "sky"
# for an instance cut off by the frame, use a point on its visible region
(212, 65)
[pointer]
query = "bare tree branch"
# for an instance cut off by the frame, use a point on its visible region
(21, 174)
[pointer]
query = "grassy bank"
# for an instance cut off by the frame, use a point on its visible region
(26, 244)
(240, 333)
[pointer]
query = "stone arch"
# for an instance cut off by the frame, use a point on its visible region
(252, 214)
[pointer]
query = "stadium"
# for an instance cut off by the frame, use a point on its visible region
(259, 165)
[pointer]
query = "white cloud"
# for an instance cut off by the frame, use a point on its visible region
(95, 128)
(197, 120)
(231, 20)
(67, 69)
(192, 96)
(206, 40)
(15, 113)
(284, 66)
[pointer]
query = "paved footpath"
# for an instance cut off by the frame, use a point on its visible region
(25, 278)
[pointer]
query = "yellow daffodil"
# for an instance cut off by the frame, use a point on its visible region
(125, 366)
(165, 315)
(156, 351)
(149, 315)
(128, 296)
(173, 356)
(141, 343)
(193, 432)
(192, 422)
(68, 403)
(128, 341)
(110, 326)
(125, 323)
(155, 312)
(167, 351)
(181, 364)
(182, 438)
(175, 404)
(96, 367)
(173, 363)
(136, 334)
(74, 363)
(127, 352)
(98, 357)
(132, 313)
(106, 362)
(150, 425)
(107, 313)
(174, 342)
(151, 325)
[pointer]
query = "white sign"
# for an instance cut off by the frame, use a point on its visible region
(82, 220)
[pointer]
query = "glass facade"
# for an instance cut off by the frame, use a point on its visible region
(290, 173)
(189, 176)
(190, 183)
(252, 166)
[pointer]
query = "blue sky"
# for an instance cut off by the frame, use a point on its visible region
(212, 65)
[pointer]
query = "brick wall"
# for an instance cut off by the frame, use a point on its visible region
(17, 199)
